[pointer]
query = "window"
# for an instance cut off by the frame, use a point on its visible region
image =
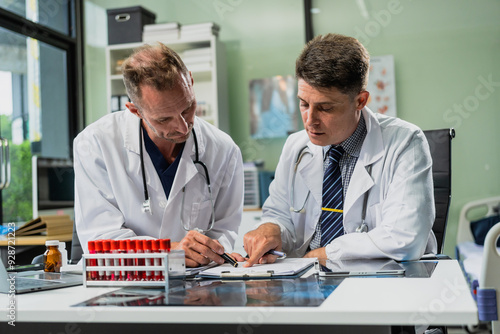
(40, 76)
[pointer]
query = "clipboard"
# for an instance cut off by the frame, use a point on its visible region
(282, 268)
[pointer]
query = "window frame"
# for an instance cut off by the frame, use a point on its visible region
(73, 45)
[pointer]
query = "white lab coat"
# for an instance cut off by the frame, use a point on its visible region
(400, 208)
(109, 190)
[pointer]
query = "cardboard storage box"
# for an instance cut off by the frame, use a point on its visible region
(125, 24)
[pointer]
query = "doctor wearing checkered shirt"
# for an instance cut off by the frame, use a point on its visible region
(386, 168)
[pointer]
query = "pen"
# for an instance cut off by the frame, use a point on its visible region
(281, 255)
(277, 253)
(229, 259)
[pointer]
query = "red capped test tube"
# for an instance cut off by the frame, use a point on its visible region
(139, 262)
(146, 245)
(164, 245)
(155, 248)
(100, 262)
(123, 250)
(92, 275)
(115, 249)
(106, 249)
(130, 261)
(164, 248)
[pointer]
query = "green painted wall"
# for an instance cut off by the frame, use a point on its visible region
(444, 51)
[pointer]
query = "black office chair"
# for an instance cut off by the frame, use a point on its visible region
(440, 147)
(76, 247)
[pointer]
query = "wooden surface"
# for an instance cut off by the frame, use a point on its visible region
(36, 240)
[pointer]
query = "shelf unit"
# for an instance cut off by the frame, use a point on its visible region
(209, 74)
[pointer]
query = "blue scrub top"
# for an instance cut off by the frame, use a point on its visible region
(165, 171)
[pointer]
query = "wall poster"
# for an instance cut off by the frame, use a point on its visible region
(382, 85)
(274, 111)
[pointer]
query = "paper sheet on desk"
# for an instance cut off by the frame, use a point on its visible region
(284, 267)
(197, 270)
(73, 268)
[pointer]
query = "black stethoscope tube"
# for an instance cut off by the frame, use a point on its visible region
(146, 205)
(361, 228)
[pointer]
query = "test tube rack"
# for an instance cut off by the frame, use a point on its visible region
(133, 269)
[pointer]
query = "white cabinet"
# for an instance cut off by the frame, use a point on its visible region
(204, 57)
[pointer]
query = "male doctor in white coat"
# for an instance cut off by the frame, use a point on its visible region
(385, 161)
(158, 131)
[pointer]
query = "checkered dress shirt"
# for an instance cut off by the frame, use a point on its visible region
(352, 147)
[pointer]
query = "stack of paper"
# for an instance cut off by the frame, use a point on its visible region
(201, 57)
(284, 267)
(52, 225)
(200, 30)
(161, 32)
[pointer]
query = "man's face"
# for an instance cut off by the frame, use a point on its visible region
(329, 116)
(169, 114)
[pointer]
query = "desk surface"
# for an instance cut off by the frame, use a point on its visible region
(443, 299)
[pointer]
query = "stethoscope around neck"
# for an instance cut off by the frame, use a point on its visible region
(303, 151)
(146, 205)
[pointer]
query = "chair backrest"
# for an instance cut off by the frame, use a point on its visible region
(440, 147)
(76, 247)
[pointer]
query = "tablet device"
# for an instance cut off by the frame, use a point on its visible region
(361, 267)
(31, 281)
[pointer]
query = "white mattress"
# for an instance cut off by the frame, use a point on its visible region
(471, 256)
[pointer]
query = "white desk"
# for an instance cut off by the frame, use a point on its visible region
(443, 299)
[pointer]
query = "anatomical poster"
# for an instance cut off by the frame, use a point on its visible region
(382, 85)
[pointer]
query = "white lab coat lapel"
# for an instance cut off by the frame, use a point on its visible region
(371, 151)
(187, 169)
(311, 171)
(131, 144)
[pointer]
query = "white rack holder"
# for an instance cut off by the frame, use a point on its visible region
(174, 266)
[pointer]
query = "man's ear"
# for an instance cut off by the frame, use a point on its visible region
(133, 109)
(362, 99)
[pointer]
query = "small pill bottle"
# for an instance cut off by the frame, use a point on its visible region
(52, 258)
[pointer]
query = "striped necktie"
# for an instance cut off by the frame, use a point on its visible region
(332, 208)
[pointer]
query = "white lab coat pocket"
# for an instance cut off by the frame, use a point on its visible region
(373, 215)
(201, 215)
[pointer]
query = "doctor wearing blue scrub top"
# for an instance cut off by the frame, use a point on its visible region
(156, 170)
(388, 200)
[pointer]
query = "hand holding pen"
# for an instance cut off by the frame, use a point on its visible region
(200, 250)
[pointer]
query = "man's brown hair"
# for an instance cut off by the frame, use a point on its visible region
(156, 66)
(334, 60)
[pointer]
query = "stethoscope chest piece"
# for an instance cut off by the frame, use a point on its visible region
(146, 206)
(362, 228)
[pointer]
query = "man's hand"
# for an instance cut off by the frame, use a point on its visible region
(238, 257)
(320, 253)
(199, 249)
(257, 242)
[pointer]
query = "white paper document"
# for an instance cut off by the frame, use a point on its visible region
(284, 267)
